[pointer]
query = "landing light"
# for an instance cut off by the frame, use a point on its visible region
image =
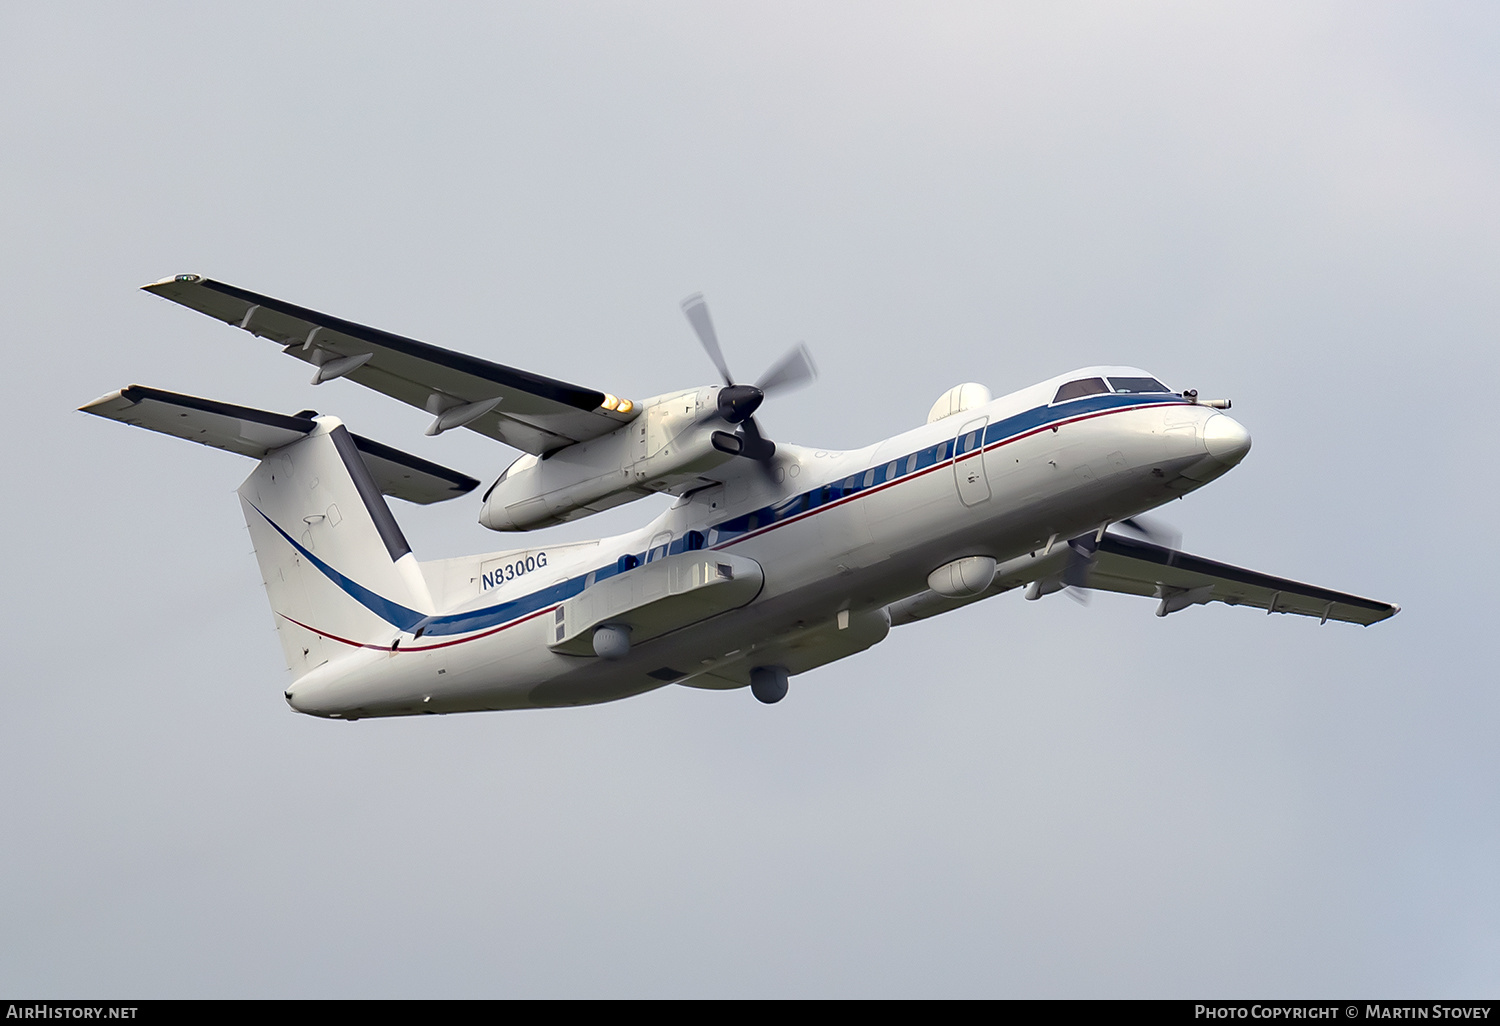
(625, 406)
(610, 402)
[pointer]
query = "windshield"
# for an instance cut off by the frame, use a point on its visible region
(1138, 385)
(1081, 387)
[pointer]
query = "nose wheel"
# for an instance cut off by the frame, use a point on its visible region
(768, 683)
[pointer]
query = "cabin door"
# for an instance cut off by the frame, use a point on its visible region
(968, 463)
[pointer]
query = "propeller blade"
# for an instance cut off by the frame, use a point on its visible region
(696, 310)
(757, 446)
(1081, 555)
(794, 369)
(1075, 576)
(1154, 531)
(760, 449)
(737, 403)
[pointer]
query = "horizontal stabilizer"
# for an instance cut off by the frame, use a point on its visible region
(404, 476)
(255, 433)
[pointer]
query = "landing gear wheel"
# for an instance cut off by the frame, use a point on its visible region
(768, 684)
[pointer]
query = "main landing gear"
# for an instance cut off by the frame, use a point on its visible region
(768, 683)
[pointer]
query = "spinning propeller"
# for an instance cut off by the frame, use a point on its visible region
(1084, 551)
(738, 403)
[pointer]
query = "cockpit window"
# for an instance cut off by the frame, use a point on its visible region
(1138, 385)
(1081, 387)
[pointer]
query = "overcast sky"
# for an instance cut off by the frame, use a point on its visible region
(1291, 205)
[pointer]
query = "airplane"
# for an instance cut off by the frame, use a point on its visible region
(773, 559)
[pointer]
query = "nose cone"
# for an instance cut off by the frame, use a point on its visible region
(1226, 439)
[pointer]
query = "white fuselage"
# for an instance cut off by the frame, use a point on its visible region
(838, 537)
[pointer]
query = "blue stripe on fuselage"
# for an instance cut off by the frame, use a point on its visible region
(391, 612)
(735, 528)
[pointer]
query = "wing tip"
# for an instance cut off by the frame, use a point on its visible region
(93, 406)
(175, 279)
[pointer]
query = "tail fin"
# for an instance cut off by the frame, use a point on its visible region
(337, 569)
(336, 566)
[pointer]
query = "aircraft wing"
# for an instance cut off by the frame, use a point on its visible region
(525, 410)
(1179, 580)
(255, 433)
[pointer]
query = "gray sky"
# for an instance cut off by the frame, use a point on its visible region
(1292, 205)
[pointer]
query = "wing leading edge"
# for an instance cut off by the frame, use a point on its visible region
(533, 413)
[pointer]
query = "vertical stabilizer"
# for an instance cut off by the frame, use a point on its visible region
(337, 569)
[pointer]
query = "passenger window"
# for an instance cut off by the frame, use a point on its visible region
(869, 478)
(1080, 388)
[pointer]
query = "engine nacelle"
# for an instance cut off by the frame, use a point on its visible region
(664, 449)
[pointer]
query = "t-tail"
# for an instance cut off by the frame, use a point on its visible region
(337, 569)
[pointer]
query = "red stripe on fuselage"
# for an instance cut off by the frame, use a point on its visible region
(417, 648)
